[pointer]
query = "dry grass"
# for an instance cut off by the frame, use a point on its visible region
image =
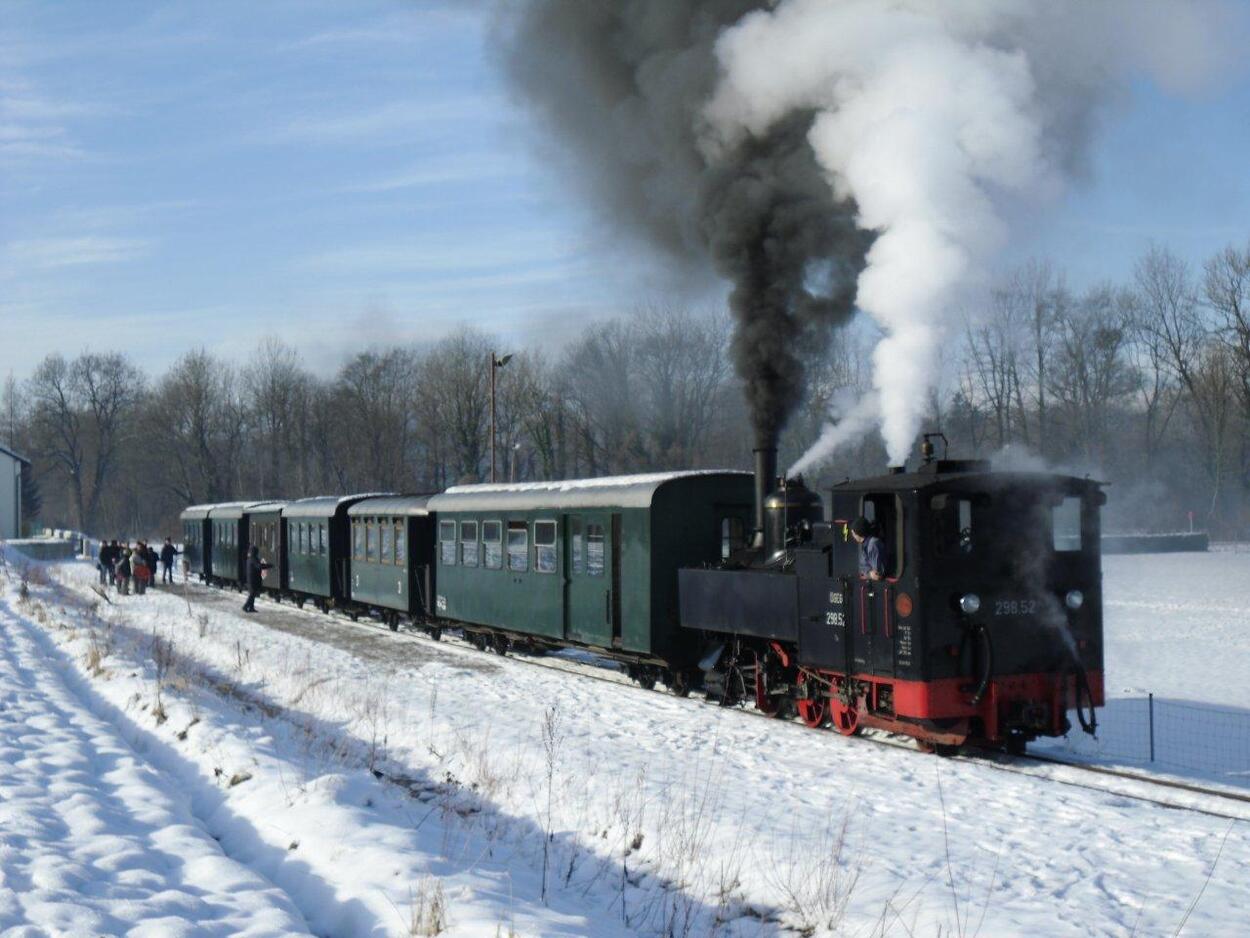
(428, 909)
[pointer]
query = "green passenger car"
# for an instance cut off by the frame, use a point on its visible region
(266, 530)
(586, 562)
(197, 540)
(228, 557)
(392, 556)
(318, 551)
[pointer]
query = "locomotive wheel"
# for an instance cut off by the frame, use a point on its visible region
(765, 702)
(814, 711)
(845, 717)
(646, 680)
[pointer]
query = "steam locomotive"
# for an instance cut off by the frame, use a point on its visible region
(985, 629)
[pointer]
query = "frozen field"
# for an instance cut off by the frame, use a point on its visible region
(1178, 625)
(651, 815)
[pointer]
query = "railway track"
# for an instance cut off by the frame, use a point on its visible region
(1173, 794)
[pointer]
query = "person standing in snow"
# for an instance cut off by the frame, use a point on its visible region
(139, 568)
(104, 562)
(871, 550)
(255, 568)
(168, 553)
(122, 571)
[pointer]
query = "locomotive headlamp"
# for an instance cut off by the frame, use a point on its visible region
(1075, 599)
(970, 603)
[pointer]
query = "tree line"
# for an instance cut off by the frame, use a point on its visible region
(1145, 384)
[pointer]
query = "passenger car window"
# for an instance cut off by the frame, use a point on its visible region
(576, 547)
(385, 532)
(545, 546)
(401, 547)
(447, 543)
(371, 541)
(321, 529)
(1066, 524)
(518, 545)
(358, 539)
(468, 543)
(492, 543)
(594, 549)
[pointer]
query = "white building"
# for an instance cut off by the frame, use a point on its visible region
(11, 467)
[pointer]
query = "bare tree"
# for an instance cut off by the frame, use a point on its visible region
(276, 389)
(192, 429)
(681, 367)
(373, 416)
(81, 413)
(1092, 372)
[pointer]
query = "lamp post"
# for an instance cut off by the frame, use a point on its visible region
(495, 364)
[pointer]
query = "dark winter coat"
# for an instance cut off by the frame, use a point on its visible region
(254, 568)
(123, 566)
(167, 554)
(106, 555)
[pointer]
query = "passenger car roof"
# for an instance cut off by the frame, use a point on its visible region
(391, 505)
(634, 491)
(324, 506)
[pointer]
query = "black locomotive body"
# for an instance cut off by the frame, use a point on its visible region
(985, 628)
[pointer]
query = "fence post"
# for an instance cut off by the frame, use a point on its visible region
(1151, 700)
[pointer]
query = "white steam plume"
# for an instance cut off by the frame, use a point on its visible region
(930, 115)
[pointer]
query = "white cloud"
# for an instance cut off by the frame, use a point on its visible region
(439, 172)
(42, 254)
(368, 125)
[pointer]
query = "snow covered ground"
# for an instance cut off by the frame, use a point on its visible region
(391, 785)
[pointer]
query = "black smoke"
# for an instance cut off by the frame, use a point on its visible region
(621, 85)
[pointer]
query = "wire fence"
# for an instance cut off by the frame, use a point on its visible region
(1172, 735)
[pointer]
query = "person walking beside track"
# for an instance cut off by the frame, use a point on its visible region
(168, 553)
(255, 570)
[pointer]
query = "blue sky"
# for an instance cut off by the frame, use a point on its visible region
(340, 174)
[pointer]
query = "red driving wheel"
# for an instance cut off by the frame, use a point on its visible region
(765, 702)
(845, 717)
(813, 711)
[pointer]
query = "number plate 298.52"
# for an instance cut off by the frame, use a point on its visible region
(1015, 607)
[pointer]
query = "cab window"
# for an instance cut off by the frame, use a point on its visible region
(1066, 524)
(954, 530)
(732, 536)
(885, 514)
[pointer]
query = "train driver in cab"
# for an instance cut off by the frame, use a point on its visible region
(871, 550)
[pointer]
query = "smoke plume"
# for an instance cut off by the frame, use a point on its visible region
(827, 154)
(624, 85)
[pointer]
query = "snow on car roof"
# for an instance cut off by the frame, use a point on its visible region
(325, 506)
(632, 491)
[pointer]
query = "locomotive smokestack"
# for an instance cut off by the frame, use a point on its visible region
(765, 479)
